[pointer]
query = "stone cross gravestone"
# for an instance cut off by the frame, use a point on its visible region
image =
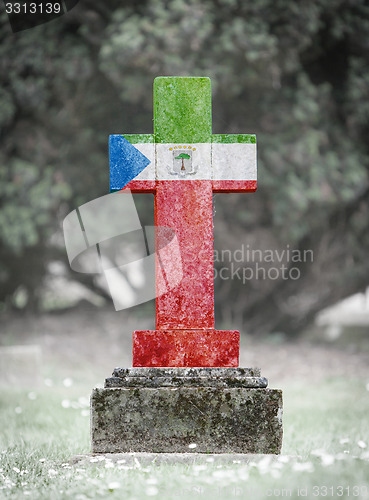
(185, 386)
(187, 165)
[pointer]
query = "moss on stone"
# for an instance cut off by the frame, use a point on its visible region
(167, 420)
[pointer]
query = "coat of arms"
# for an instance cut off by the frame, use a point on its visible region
(183, 161)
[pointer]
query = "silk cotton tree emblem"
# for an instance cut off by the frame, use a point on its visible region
(182, 160)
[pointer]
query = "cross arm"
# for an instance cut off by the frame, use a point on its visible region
(132, 162)
(234, 163)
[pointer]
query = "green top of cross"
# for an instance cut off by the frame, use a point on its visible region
(182, 109)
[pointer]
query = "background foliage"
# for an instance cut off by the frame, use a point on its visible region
(296, 74)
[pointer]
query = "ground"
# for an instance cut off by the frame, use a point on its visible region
(42, 427)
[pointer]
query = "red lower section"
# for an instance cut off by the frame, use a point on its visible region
(218, 186)
(234, 186)
(187, 208)
(185, 334)
(186, 348)
(141, 186)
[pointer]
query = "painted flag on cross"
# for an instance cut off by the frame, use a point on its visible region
(229, 160)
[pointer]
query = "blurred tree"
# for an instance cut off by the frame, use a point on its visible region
(295, 74)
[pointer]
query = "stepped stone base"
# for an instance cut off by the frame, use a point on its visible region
(169, 410)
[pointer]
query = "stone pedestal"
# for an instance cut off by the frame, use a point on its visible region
(169, 410)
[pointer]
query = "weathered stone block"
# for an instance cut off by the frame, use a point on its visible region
(169, 419)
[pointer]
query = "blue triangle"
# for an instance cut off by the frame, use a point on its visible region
(125, 162)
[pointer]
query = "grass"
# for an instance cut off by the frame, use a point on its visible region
(325, 451)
